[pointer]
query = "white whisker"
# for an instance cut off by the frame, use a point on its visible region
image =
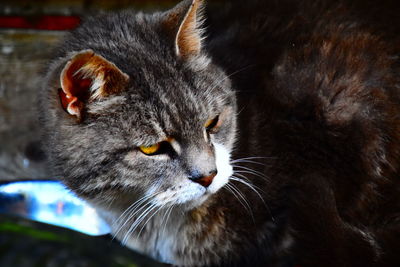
(133, 205)
(230, 75)
(239, 193)
(253, 173)
(141, 229)
(249, 169)
(254, 189)
(249, 185)
(228, 187)
(138, 220)
(243, 177)
(247, 161)
(168, 211)
(133, 209)
(132, 213)
(249, 158)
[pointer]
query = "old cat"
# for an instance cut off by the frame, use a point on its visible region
(274, 141)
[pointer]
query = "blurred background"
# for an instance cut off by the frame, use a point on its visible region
(29, 31)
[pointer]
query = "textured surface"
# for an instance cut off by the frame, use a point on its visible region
(26, 243)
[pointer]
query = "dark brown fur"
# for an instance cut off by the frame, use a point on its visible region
(320, 94)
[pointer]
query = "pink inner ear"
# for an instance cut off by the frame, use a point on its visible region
(78, 76)
(75, 89)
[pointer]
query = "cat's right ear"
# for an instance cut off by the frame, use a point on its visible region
(183, 23)
(87, 77)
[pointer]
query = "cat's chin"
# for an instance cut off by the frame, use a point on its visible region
(201, 198)
(195, 203)
(199, 201)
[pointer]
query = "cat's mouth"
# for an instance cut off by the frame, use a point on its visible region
(191, 194)
(198, 195)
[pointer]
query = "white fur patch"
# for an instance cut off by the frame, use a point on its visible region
(194, 192)
(224, 168)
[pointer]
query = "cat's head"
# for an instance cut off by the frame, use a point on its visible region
(134, 107)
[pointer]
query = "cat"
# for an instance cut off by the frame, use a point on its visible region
(272, 142)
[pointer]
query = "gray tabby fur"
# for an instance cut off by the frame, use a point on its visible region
(167, 96)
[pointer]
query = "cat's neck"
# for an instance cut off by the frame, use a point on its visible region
(179, 236)
(169, 232)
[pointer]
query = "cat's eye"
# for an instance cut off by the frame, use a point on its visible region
(163, 147)
(150, 150)
(210, 125)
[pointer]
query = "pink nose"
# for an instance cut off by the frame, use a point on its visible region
(204, 180)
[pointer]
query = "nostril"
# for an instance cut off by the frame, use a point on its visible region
(202, 179)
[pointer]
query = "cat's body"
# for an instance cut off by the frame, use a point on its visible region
(318, 131)
(326, 78)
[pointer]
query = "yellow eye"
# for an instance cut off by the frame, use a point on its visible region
(210, 124)
(150, 150)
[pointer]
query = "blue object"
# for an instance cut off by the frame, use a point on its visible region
(51, 202)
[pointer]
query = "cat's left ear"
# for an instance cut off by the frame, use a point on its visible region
(184, 21)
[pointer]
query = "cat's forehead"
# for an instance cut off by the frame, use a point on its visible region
(176, 98)
(172, 109)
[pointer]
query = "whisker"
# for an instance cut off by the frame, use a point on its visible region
(239, 193)
(133, 205)
(247, 161)
(248, 169)
(132, 213)
(169, 210)
(228, 187)
(240, 111)
(152, 215)
(243, 177)
(254, 188)
(249, 185)
(113, 198)
(247, 158)
(231, 74)
(138, 220)
(255, 174)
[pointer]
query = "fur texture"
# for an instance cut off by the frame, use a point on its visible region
(306, 144)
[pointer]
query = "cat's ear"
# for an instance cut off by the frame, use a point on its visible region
(184, 21)
(87, 77)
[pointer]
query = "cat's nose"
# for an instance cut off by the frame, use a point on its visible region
(204, 180)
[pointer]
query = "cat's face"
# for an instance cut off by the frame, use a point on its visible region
(133, 113)
(182, 151)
